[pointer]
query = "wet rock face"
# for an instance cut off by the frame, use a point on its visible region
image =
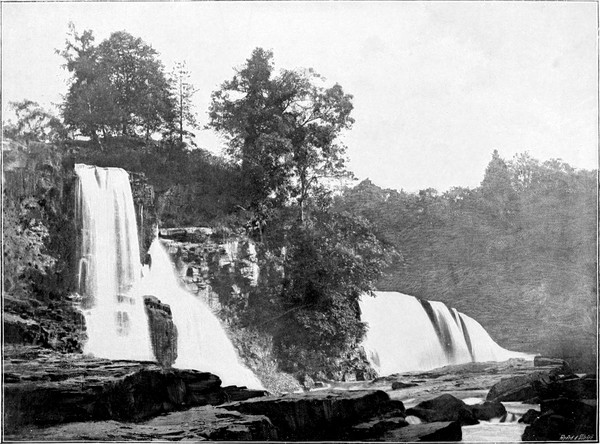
(43, 387)
(163, 331)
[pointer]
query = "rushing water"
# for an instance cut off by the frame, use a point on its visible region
(109, 265)
(110, 281)
(408, 334)
(202, 342)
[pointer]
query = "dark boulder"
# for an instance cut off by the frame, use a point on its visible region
(443, 408)
(431, 432)
(529, 416)
(549, 427)
(488, 410)
(163, 332)
(521, 388)
(316, 415)
(563, 417)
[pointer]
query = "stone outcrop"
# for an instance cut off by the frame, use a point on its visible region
(316, 415)
(218, 266)
(199, 423)
(163, 332)
(43, 387)
(55, 325)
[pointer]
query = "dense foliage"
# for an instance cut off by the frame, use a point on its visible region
(118, 87)
(282, 130)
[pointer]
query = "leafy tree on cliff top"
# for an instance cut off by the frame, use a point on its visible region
(118, 87)
(282, 128)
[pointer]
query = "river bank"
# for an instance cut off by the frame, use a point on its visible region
(53, 396)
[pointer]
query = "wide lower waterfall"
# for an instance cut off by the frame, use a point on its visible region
(113, 289)
(408, 334)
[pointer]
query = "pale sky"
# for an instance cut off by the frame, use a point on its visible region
(437, 86)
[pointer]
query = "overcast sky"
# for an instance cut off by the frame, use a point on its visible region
(437, 86)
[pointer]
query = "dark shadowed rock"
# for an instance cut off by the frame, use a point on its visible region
(18, 330)
(44, 387)
(541, 361)
(530, 416)
(488, 410)
(573, 387)
(163, 332)
(397, 385)
(564, 417)
(549, 427)
(315, 415)
(199, 423)
(520, 388)
(443, 408)
(432, 432)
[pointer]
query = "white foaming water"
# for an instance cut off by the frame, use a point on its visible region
(109, 265)
(202, 343)
(110, 280)
(407, 334)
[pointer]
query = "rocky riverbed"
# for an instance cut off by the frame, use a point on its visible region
(54, 396)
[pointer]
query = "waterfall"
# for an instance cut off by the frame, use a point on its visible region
(202, 343)
(408, 334)
(109, 265)
(113, 289)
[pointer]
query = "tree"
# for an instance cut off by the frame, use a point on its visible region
(282, 129)
(118, 87)
(182, 91)
(34, 124)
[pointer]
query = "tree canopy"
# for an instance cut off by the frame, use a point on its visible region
(117, 87)
(282, 128)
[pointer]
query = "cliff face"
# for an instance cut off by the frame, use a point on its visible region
(215, 266)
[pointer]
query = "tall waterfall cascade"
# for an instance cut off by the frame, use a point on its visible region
(113, 284)
(409, 334)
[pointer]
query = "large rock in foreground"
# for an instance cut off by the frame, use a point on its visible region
(316, 415)
(444, 408)
(43, 387)
(198, 423)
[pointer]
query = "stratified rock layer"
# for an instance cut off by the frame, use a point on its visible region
(316, 415)
(198, 423)
(163, 332)
(43, 387)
